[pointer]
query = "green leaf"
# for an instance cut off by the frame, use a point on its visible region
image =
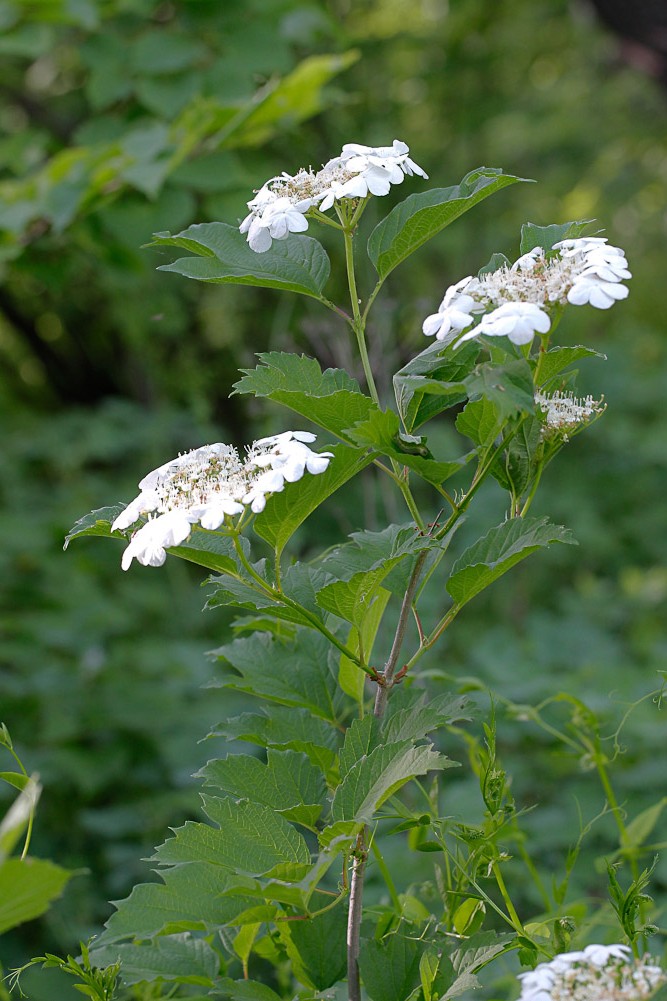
(480, 421)
(514, 469)
(381, 431)
(390, 968)
(416, 721)
(283, 727)
(297, 264)
(199, 895)
(350, 677)
(287, 510)
(182, 958)
(479, 949)
(555, 360)
(16, 820)
(331, 399)
(317, 948)
(379, 775)
(296, 97)
(420, 217)
(300, 672)
(499, 550)
(252, 839)
(353, 599)
(433, 382)
(288, 783)
(27, 888)
(360, 739)
(98, 522)
(509, 387)
(207, 549)
(246, 990)
(545, 236)
(642, 825)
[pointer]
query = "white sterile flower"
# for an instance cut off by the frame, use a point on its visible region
(209, 484)
(601, 294)
(519, 321)
(280, 206)
(275, 220)
(598, 973)
(394, 159)
(454, 313)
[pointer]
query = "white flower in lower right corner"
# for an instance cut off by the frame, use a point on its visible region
(597, 973)
(518, 321)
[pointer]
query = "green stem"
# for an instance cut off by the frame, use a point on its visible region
(281, 598)
(357, 320)
(514, 917)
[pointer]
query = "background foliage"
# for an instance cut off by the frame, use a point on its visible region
(128, 117)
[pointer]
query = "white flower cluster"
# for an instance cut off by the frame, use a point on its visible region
(519, 297)
(207, 484)
(598, 973)
(563, 412)
(280, 206)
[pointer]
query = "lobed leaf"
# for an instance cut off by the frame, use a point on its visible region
(433, 382)
(381, 432)
(251, 839)
(182, 958)
(287, 782)
(422, 216)
(500, 549)
(285, 727)
(297, 264)
(390, 968)
(331, 399)
(199, 895)
(296, 672)
(378, 775)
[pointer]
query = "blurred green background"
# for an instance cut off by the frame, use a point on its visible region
(121, 118)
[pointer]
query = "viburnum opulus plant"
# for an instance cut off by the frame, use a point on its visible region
(265, 898)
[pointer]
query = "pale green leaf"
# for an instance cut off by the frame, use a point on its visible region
(351, 678)
(480, 421)
(420, 217)
(425, 715)
(500, 549)
(27, 888)
(17, 817)
(317, 948)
